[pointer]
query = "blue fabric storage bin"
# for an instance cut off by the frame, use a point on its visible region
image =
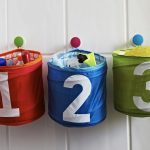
(77, 96)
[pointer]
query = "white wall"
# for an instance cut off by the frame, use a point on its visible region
(102, 25)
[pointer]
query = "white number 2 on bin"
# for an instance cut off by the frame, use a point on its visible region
(7, 110)
(138, 101)
(69, 114)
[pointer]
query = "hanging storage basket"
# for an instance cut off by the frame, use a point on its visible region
(131, 84)
(21, 89)
(77, 96)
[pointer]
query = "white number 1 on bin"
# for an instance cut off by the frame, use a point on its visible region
(7, 110)
(69, 114)
(138, 101)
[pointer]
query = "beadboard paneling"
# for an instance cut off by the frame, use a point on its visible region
(3, 25)
(140, 133)
(138, 19)
(4, 141)
(99, 24)
(40, 22)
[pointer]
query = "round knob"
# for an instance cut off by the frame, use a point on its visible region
(75, 42)
(18, 41)
(137, 39)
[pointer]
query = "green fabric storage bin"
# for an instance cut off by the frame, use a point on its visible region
(131, 77)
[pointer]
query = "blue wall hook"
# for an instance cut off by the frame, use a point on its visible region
(137, 39)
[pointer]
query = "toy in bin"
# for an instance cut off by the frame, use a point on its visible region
(20, 57)
(131, 73)
(2, 62)
(88, 59)
(77, 87)
(21, 86)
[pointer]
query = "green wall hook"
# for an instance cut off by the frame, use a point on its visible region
(18, 41)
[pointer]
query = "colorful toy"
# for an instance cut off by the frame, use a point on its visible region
(20, 57)
(88, 59)
(20, 61)
(2, 62)
(26, 56)
(139, 51)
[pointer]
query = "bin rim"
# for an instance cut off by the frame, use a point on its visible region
(71, 69)
(121, 53)
(37, 60)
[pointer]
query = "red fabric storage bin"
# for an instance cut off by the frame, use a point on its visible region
(21, 91)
